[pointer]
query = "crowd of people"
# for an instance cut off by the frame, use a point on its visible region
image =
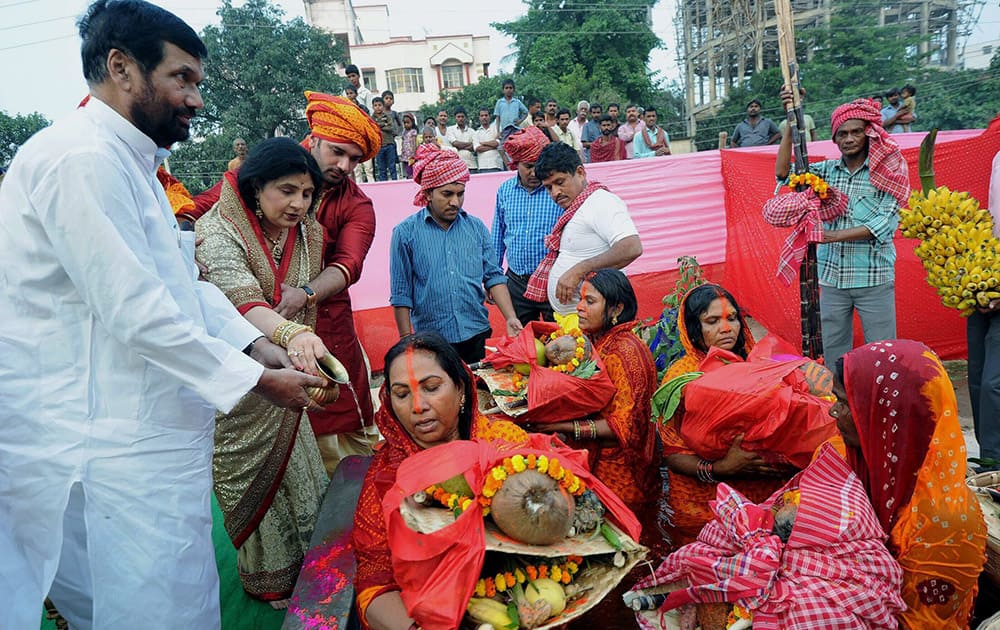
(597, 135)
(159, 348)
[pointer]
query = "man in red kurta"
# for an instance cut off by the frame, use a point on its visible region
(341, 136)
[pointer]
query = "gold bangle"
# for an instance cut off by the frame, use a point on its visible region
(286, 331)
(295, 333)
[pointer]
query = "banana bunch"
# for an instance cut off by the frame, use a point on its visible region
(957, 248)
(484, 610)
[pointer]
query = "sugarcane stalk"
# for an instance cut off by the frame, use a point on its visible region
(926, 161)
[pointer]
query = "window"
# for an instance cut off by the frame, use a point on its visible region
(452, 75)
(368, 79)
(403, 80)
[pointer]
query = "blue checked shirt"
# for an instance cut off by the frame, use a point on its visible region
(441, 274)
(858, 264)
(521, 222)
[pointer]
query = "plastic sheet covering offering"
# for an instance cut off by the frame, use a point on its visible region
(598, 578)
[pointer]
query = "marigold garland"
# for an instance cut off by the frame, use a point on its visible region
(738, 612)
(820, 187)
(519, 463)
(454, 502)
(561, 572)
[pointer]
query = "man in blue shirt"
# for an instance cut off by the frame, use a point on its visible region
(442, 259)
(524, 216)
(591, 131)
(509, 110)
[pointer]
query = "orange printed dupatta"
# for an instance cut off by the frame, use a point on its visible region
(912, 463)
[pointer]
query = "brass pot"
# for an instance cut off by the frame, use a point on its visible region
(336, 375)
(333, 369)
(323, 396)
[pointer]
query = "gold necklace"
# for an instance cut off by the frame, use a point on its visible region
(276, 248)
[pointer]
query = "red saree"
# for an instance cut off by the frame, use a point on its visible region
(371, 544)
(631, 468)
(912, 462)
(687, 497)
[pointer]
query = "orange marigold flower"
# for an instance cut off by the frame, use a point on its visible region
(491, 589)
(532, 572)
(543, 571)
(566, 577)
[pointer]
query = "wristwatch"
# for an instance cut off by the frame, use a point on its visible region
(310, 295)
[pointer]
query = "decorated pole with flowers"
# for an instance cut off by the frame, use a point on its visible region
(812, 338)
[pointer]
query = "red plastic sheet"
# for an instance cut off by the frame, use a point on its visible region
(767, 400)
(552, 396)
(437, 572)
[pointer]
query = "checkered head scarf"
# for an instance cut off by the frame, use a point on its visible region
(434, 168)
(337, 119)
(886, 165)
(525, 145)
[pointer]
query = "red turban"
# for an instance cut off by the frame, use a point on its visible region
(525, 145)
(337, 119)
(886, 166)
(434, 168)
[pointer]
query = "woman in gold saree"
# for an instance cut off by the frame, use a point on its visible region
(268, 473)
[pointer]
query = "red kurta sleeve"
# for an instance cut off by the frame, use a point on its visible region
(348, 217)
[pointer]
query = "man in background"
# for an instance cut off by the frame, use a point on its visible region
(240, 149)
(755, 130)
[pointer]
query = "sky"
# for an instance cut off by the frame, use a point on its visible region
(40, 58)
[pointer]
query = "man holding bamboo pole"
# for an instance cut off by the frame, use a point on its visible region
(856, 256)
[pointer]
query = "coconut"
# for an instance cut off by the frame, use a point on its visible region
(563, 350)
(533, 508)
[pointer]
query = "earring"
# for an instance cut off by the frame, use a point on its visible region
(260, 213)
(614, 319)
(461, 405)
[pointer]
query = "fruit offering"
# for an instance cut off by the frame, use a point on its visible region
(958, 249)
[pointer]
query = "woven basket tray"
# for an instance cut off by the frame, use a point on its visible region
(980, 485)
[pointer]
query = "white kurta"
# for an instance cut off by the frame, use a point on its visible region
(113, 359)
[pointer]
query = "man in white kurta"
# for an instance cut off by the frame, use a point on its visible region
(114, 359)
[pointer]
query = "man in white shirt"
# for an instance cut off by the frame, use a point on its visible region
(441, 131)
(486, 145)
(115, 357)
(364, 172)
(594, 231)
(462, 138)
(563, 132)
(576, 125)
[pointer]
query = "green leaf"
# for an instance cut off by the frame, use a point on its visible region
(506, 392)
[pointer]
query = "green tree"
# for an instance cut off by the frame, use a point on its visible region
(15, 131)
(257, 69)
(597, 50)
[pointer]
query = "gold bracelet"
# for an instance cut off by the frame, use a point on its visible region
(593, 428)
(286, 331)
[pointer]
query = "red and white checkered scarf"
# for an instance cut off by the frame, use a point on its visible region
(805, 211)
(435, 168)
(538, 284)
(834, 572)
(886, 167)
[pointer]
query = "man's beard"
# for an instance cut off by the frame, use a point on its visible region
(607, 134)
(158, 120)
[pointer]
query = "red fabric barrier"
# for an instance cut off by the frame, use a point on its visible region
(752, 246)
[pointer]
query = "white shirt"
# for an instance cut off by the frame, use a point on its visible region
(601, 221)
(491, 158)
(568, 137)
(111, 366)
(463, 135)
(365, 97)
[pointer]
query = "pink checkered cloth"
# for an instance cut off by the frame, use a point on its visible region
(887, 168)
(833, 573)
(435, 168)
(804, 211)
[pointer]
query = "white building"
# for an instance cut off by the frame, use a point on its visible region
(416, 71)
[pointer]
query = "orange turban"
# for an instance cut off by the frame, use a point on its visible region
(525, 145)
(337, 119)
(435, 168)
